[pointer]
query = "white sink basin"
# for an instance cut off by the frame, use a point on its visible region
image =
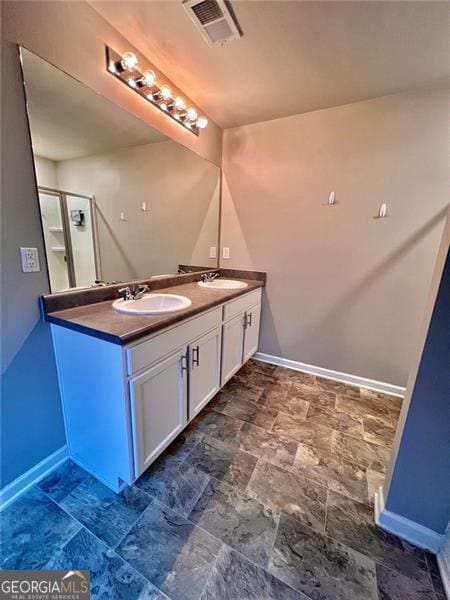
(152, 304)
(223, 284)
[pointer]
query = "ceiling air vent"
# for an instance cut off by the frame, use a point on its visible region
(214, 20)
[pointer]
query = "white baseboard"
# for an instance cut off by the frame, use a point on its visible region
(11, 491)
(444, 569)
(370, 384)
(408, 530)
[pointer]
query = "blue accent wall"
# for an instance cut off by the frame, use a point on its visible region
(420, 485)
(31, 421)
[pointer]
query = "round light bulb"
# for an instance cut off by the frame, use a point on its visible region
(202, 122)
(166, 92)
(163, 105)
(129, 61)
(149, 78)
(191, 114)
(179, 103)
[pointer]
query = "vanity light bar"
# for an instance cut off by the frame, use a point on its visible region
(126, 68)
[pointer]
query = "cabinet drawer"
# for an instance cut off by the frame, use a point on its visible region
(240, 304)
(147, 353)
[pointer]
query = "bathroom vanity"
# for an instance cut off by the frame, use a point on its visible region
(131, 384)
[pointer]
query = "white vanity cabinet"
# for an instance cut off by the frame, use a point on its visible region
(232, 346)
(204, 374)
(158, 408)
(240, 332)
(123, 405)
(251, 331)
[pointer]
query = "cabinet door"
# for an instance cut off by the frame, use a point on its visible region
(232, 346)
(158, 408)
(204, 375)
(251, 335)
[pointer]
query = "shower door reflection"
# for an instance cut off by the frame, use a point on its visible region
(68, 222)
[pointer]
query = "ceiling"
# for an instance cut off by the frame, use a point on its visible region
(294, 56)
(69, 120)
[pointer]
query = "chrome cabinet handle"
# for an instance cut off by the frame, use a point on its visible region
(184, 363)
(196, 356)
(248, 320)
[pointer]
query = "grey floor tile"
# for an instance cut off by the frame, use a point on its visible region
(256, 378)
(313, 395)
(329, 385)
(305, 433)
(232, 577)
(289, 376)
(377, 431)
(320, 567)
(332, 472)
(259, 366)
(238, 520)
(366, 407)
(216, 424)
(242, 388)
(328, 416)
(392, 585)
(107, 514)
(170, 552)
(366, 454)
(352, 523)
(256, 436)
(183, 444)
(435, 574)
(110, 577)
(267, 445)
(63, 480)
(293, 494)
(279, 398)
(374, 481)
(222, 460)
(219, 402)
(387, 399)
(250, 412)
(33, 528)
(175, 484)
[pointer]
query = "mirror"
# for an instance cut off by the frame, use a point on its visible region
(119, 200)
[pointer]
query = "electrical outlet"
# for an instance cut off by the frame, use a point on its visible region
(226, 253)
(30, 260)
(212, 252)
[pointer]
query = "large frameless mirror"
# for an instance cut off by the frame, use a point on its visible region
(118, 200)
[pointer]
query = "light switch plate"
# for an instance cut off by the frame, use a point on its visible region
(30, 260)
(226, 253)
(212, 252)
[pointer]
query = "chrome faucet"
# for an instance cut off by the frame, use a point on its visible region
(206, 277)
(133, 293)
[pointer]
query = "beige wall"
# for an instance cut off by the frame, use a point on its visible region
(46, 172)
(344, 291)
(181, 191)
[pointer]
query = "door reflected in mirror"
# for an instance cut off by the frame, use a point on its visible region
(118, 200)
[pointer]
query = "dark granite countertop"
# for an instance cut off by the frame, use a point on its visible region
(100, 320)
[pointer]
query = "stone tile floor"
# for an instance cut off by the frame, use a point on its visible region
(266, 496)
